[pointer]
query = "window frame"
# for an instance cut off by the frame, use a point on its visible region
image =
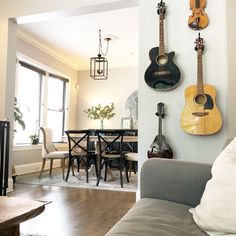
(45, 74)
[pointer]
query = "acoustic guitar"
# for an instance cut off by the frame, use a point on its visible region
(160, 148)
(162, 73)
(199, 19)
(200, 115)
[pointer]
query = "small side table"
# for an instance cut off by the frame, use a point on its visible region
(14, 211)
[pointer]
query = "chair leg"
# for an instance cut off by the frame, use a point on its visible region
(51, 165)
(86, 169)
(105, 177)
(73, 170)
(43, 165)
(69, 166)
(96, 166)
(126, 169)
(63, 168)
(100, 173)
(78, 163)
(121, 176)
(135, 166)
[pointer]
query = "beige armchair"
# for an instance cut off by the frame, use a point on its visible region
(49, 152)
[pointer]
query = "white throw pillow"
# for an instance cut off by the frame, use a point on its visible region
(216, 213)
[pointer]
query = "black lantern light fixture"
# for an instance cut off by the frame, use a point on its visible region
(99, 64)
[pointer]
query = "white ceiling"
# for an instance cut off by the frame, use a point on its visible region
(75, 39)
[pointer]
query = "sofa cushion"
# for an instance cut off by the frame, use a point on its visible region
(157, 217)
(216, 213)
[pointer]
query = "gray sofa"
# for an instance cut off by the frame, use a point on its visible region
(169, 188)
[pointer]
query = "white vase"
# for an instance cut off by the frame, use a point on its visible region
(102, 124)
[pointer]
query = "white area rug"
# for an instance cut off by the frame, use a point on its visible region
(22, 234)
(79, 181)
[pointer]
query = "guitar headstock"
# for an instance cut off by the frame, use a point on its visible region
(199, 43)
(161, 8)
(160, 110)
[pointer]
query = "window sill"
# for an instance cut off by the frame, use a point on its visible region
(26, 147)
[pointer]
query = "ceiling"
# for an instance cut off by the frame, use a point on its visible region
(75, 39)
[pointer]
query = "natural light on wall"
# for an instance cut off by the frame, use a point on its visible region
(42, 100)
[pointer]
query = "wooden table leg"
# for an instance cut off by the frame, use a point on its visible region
(13, 231)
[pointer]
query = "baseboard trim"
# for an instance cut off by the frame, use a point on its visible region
(10, 185)
(34, 167)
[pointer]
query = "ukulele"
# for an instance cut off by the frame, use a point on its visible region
(160, 148)
(198, 20)
(162, 73)
(200, 115)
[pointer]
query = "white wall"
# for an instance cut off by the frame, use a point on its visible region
(46, 61)
(231, 49)
(27, 11)
(121, 83)
(180, 38)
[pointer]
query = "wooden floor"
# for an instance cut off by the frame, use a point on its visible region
(74, 211)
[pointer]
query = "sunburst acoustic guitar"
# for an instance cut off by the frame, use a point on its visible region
(200, 115)
(162, 73)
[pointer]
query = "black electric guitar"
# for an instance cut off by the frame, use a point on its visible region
(160, 148)
(162, 73)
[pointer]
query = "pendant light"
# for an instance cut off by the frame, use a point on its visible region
(99, 64)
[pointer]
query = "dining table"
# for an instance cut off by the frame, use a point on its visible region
(130, 138)
(15, 210)
(127, 138)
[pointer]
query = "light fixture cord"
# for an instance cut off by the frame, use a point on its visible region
(100, 45)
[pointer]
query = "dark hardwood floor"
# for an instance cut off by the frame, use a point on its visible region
(74, 211)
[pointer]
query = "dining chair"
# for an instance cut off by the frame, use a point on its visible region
(110, 149)
(131, 162)
(131, 155)
(80, 150)
(49, 152)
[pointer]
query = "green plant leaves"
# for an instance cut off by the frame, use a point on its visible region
(100, 112)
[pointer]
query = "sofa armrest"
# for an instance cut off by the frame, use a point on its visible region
(174, 180)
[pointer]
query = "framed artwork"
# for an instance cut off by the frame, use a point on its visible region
(126, 123)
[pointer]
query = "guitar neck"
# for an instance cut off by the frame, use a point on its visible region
(199, 73)
(161, 34)
(160, 127)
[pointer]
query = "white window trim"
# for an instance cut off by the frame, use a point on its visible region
(48, 70)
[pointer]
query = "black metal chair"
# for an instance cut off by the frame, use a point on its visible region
(80, 150)
(110, 149)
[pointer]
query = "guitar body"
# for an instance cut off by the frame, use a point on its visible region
(200, 118)
(160, 148)
(162, 73)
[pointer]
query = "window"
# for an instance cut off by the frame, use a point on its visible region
(42, 100)
(56, 115)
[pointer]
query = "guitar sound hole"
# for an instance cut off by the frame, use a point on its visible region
(162, 59)
(201, 99)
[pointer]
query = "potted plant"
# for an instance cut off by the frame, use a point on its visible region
(34, 139)
(18, 116)
(100, 112)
